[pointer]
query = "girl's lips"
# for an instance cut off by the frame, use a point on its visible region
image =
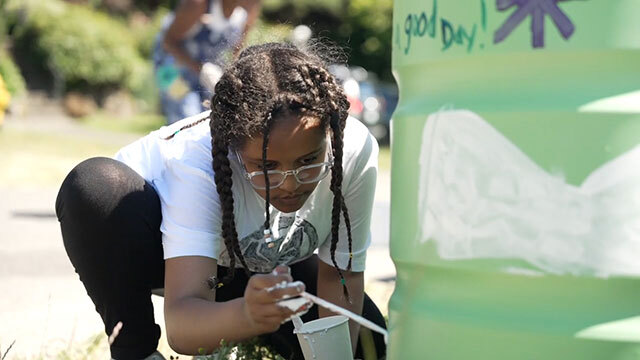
(291, 200)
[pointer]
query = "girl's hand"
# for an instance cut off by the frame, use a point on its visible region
(261, 295)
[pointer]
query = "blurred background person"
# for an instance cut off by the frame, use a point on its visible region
(194, 43)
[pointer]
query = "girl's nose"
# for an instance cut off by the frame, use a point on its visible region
(290, 184)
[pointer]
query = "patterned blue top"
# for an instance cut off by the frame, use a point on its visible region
(205, 41)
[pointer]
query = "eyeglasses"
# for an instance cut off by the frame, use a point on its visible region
(306, 174)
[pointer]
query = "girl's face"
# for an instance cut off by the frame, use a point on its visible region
(293, 142)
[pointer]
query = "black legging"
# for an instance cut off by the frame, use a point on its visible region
(110, 219)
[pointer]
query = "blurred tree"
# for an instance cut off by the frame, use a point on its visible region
(125, 7)
(367, 28)
(361, 26)
(261, 33)
(3, 24)
(81, 49)
(150, 6)
(13, 80)
(99, 46)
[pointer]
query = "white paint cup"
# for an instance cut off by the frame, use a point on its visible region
(326, 339)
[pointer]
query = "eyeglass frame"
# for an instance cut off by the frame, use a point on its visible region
(249, 175)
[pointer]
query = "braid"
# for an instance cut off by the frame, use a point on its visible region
(186, 127)
(323, 90)
(323, 87)
(347, 222)
(336, 185)
(265, 142)
(224, 182)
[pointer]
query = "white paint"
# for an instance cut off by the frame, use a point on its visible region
(618, 330)
(522, 272)
(295, 304)
(286, 285)
(622, 103)
(481, 197)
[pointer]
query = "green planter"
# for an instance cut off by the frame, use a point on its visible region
(515, 214)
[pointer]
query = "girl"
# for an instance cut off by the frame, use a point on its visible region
(280, 173)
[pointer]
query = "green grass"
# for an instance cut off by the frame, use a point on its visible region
(136, 124)
(36, 158)
(41, 159)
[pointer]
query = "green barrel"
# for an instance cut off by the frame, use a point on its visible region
(515, 213)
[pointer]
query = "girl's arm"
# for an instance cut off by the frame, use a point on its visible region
(187, 14)
(330, 289)
(195, 321)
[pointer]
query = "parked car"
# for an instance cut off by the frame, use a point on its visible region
(371, 101)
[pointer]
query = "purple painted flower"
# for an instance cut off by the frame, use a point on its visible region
(537, 9)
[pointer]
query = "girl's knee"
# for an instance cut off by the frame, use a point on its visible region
(94, 186)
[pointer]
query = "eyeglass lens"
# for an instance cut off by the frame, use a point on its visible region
(306, 176)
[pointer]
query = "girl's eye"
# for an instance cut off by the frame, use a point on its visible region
(309, 160)
(268, 166)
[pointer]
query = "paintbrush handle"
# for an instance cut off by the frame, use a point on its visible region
(342, 311)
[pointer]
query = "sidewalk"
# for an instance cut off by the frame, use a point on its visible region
(45, 308)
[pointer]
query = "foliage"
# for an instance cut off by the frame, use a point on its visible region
(253, 349)
(5, 98)
(303, 5)
(3, 25)
(11, 74)
(368, 28)
(124, 7)
(144, 30)
(91, 49)
(324, 17)
(83, 48)
(262, 32)
(363, 26)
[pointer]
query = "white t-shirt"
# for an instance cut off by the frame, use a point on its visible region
(180, 171)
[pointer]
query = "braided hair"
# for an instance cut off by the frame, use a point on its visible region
(264, 84)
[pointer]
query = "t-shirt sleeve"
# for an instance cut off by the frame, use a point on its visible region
(190, 211)
(143, 156)
(359, 196)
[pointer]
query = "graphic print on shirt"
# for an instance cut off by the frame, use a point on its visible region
(295, 239)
